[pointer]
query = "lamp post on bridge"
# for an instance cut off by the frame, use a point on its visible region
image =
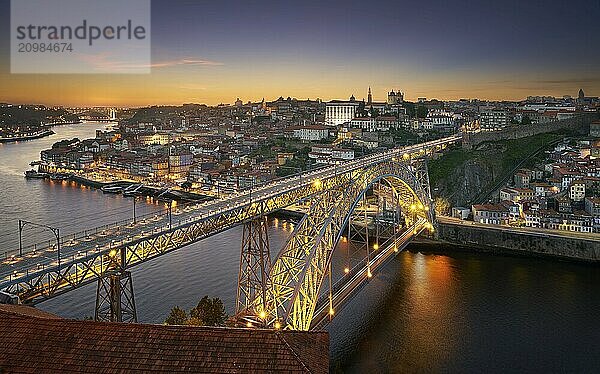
(170, 214)
(134, 216)
(54, 230)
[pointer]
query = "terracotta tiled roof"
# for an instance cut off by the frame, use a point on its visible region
(26, 311)
(45, 344)
(490, 207)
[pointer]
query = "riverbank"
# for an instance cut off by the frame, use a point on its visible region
(45, 130)
(436, 246)
(148, 191)
(31, 136)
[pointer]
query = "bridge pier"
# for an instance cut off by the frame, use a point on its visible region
(253, 276)
(115, 300)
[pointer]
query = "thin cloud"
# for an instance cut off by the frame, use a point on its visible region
(106, 62)
(192, 87)
(186, 61)
(568, 81)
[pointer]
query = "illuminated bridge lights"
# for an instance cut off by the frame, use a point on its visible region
(329, 193)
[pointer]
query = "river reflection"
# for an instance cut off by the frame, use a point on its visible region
(472, 312)
(434, 312)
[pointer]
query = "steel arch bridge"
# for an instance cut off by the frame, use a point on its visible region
(284, 292)
(288, 296)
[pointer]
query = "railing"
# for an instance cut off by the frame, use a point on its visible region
(213, 207)
(351, 278)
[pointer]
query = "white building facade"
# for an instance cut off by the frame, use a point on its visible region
(339, 112)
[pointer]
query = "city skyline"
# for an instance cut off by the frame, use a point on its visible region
(316, 186)
(214, 53)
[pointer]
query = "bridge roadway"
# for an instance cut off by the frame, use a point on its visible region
(350, 284)
(39, 273)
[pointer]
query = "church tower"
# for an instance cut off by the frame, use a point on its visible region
(369, 97)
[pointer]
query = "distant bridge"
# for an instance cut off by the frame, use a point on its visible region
(284, 294)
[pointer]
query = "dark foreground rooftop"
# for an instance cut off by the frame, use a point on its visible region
(33, 341)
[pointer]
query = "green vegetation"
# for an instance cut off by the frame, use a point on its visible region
(402, 136)
(422, 111)
(152, 113)
(177, 316)
(467, 176)
(208, 312)
(263, 153)
(415, 109)
(23, 116)
(444, 166)
(411, 110)
(518, 149)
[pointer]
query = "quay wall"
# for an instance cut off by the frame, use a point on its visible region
(38, 135)
(529, 244)
(579, 123)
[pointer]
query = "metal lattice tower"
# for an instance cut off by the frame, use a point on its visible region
(114, 298)
(255, 264)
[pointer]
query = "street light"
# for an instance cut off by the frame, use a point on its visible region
(170, 214)
(134, 216)
(54, 230)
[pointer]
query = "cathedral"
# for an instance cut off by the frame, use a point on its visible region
(395, 98)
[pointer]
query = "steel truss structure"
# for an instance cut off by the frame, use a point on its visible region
(255, 265)
(325, 188)
(115, 301)
(298, 272)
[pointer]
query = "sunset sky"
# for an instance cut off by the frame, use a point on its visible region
(215, 51)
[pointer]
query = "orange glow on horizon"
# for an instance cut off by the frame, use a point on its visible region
(216, 85)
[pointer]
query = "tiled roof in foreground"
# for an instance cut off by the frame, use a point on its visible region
(37, 342)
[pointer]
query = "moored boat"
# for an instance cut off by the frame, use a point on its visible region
(132, 190)
(112, 189)
(32, 174)
(58, 177)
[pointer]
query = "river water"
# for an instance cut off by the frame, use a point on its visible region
(432, 312)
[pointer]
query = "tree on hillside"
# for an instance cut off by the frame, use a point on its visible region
(177, 316)
(441, 206)
(210, 311)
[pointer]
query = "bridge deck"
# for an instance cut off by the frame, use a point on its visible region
(88, 255)
(350, 284)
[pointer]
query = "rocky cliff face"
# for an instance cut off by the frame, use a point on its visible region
(473, 176)
(465, 183)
